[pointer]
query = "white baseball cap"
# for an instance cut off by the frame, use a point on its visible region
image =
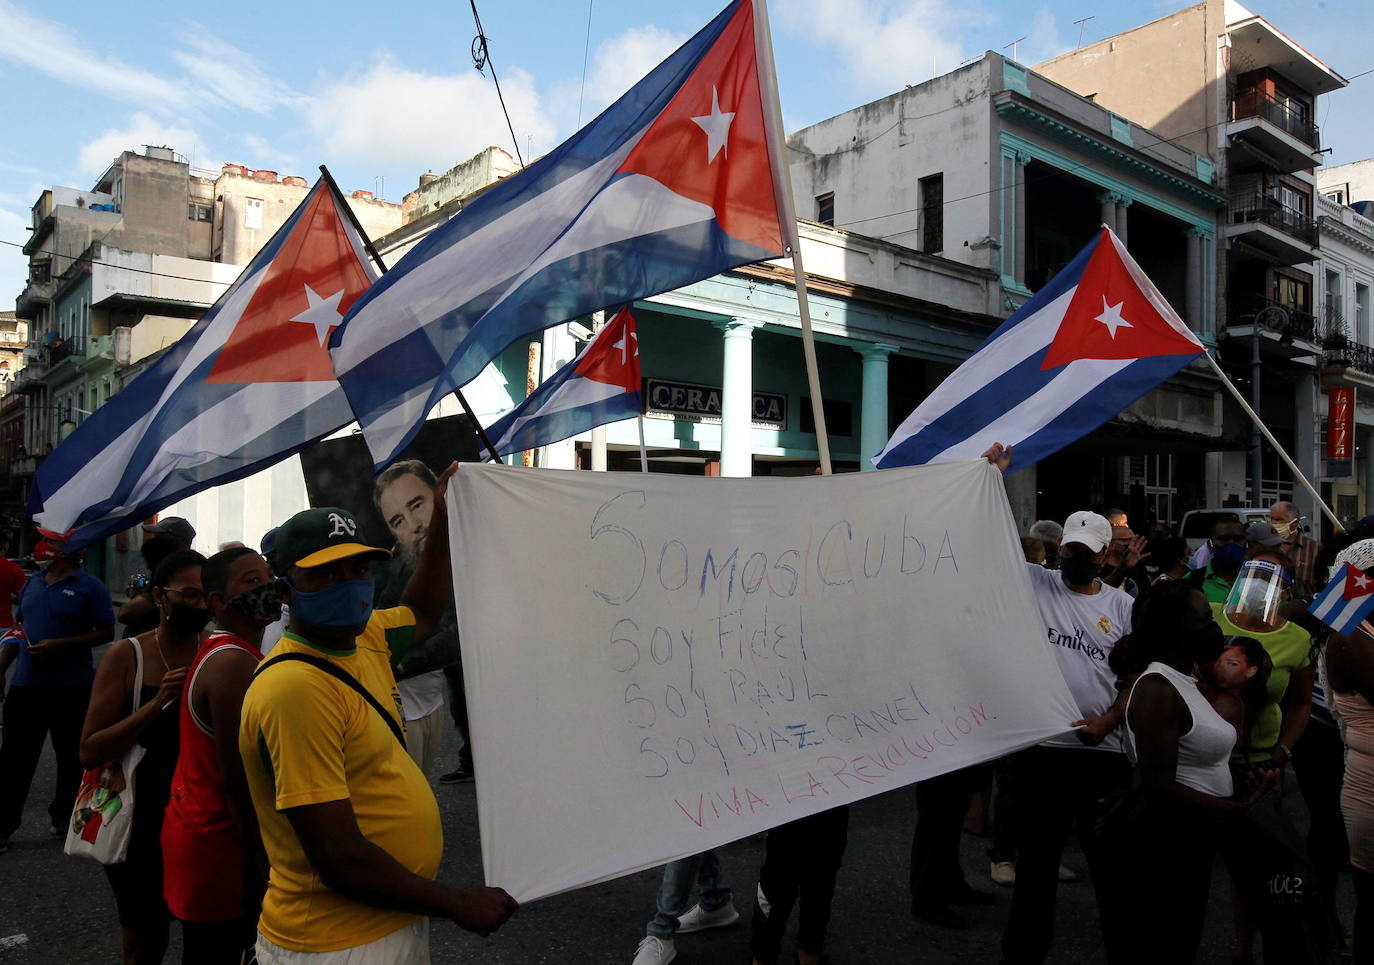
(1089, 529)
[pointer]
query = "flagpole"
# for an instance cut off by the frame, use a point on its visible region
(643, 450)
(782, 192)
(1264, 431)
(381, 268)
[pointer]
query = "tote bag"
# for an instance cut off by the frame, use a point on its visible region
(102, 818)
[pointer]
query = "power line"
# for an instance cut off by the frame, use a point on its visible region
(586, 50)
(481, 57)
(141, 271)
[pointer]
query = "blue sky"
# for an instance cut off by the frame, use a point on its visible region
(378, 91)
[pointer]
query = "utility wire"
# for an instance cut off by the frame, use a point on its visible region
(586, 50)
(481, 57)
(141, 271)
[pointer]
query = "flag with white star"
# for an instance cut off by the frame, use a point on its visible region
(600, 386)
(677, 181)
(1347, 600)
(249, 385)
(1097, 337)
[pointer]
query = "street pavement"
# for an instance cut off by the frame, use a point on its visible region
(64, 911)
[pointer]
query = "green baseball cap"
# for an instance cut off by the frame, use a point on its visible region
(314, 537)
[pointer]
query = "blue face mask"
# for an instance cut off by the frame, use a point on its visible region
(346, 605)
(1228, 555)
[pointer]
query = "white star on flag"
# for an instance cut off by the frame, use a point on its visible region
(1361, 582)
(323, 313)
(717, 127)
(1111, 317)
(625, 349)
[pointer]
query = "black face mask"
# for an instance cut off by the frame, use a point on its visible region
(261, 604)
(1078, 570)
(186, 620)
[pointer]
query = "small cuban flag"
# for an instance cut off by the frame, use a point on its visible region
(1347, 600)
(601, 385)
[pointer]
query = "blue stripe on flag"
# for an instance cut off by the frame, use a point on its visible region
(563, 423)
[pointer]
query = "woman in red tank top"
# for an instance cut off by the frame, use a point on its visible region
(212, 880)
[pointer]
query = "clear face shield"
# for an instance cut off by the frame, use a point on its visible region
(1259, 591)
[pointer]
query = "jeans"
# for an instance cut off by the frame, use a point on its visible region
(678, 876)
(800, 864)
(458, 707)
(1003, 812)
(1058, 788)
(941, 803)
(33, 714)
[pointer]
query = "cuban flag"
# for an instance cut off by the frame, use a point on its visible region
(249, 385)
(1347, 600)
(601, 385)
(1097, 337)
(678, 180)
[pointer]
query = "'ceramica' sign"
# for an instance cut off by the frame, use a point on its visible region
(701, 403)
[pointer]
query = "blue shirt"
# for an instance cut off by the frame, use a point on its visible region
(78, 603)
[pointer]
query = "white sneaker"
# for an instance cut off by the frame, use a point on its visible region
(1067, 874)
(1003, 873)
(655, 951)
(698, 920)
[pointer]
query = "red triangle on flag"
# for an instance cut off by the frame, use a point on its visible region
(1112, 315)
(1357, 584)
(304, 294)
(613, 358)
(709, 143)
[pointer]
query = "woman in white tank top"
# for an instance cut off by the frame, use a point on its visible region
(1164, 831)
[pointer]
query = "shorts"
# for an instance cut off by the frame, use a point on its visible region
(405, 946)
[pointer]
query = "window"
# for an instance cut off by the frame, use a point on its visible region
(825, 208)
(252, 213)
(1294, 199)
(1337, 196)
(1292, 293)
(198, 211)
(933, 213)
(1362, 333)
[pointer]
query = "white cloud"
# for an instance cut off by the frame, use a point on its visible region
(231, 75)
(882, 45)
(14, 267)
(1044, 41)
(50, 48)
(396, 116)
(142, 129)
(621, 61)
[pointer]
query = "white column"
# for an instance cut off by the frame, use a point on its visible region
(737, 398)
(873, 414)
(1193, 283)
(1306, 438)
(1021, 235)
(1108, 201)
(1122, 206)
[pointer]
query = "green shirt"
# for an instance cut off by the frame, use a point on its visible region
(1290, 648)
(1214, 587)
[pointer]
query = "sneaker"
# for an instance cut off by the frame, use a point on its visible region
(460, 776)
(1003, 873)
(699, 920)
(655, 951)
(1067, 874)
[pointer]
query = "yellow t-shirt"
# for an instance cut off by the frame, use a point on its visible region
(1289, 647)
(307, 738)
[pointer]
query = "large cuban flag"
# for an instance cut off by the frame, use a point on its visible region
(676, 181)
(1097, 337)
(249, 385)
(601, 385)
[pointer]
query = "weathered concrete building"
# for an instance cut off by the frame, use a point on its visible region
(1231, 86)
(999, 168)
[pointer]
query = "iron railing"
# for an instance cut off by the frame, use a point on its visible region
(1253, 102)
(1264, 209)
(1288, 322)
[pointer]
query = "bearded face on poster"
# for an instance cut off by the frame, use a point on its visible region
(404, 496)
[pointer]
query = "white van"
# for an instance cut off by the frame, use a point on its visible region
(1196, 527)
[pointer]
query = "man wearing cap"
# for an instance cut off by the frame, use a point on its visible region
(1066, 777)
(349, 823)
(65, 612)
(161, 539)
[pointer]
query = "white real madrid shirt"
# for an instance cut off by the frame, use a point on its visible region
(1083, 628)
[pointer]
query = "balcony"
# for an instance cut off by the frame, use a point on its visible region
(1272, 133)
(1284, 331)
(1281, 234)
(1345, 362)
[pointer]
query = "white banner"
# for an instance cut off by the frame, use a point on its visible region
(659, 664)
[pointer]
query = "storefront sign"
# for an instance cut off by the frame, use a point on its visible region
(701, 403)
(1340, 429)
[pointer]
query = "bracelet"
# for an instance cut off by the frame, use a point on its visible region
(1287, 752)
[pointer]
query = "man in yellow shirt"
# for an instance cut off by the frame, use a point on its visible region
(349, 823)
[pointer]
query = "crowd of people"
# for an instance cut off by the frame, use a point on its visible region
(283, 761)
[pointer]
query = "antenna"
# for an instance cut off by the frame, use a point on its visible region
(1012, 45)
(1080, 28)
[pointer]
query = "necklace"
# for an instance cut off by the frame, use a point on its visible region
(157, 638)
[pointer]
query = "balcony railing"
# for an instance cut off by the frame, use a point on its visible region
(1288, 322)
(1253, 102)
(1263, 209)
(1341, 351)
